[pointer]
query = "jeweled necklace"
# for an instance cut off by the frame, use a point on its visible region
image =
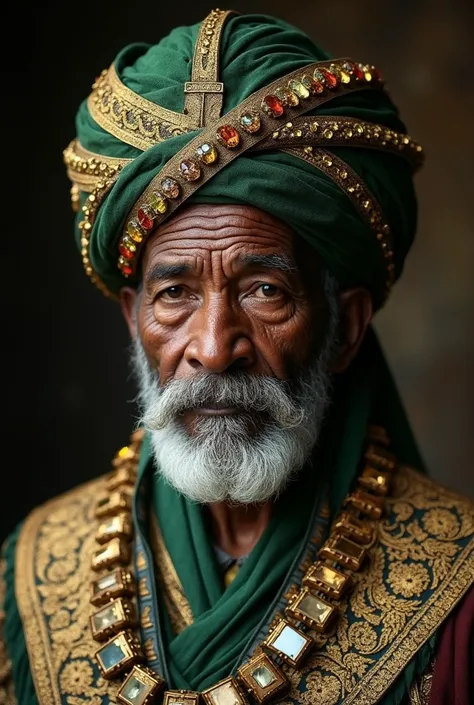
(312, 608)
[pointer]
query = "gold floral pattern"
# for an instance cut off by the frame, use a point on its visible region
(417, 571)
(408, 579)
(76, 677)
(52, 587)
(442, 523)
(420, 567)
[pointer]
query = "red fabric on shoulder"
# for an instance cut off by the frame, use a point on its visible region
(453, 676)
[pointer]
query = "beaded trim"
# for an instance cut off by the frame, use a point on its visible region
(368, 207)
(90, 208)
(336, 131)
(242, 128)
(85, 168)
(311, 608)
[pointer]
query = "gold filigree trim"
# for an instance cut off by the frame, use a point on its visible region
(177, 605)
(129, 117)
(204, 93)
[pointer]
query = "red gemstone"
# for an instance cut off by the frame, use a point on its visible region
(331, 80)
(145, 219)
(126, 269)
(273, 105)
(128, 254)
(358, 72)
(228, 135)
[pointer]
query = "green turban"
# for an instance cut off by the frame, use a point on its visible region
(255, 51)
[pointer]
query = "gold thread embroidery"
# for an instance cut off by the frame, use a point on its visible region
(129, 117)
(52, 578)
(177, 605)
(351, 666)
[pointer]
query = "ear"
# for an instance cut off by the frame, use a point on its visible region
(355, 311)
(128, 298)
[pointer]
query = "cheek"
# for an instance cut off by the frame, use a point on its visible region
(164, 344)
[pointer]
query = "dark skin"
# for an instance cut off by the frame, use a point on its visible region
(229, 287)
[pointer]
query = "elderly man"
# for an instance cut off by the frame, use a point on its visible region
(268, 535)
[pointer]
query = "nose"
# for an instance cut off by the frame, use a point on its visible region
(219, 340)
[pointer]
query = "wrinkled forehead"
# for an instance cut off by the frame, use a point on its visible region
(236, 231)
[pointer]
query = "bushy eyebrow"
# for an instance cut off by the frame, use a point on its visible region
(161, 272)
(275, 261)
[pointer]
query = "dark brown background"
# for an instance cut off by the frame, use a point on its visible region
(67, 395)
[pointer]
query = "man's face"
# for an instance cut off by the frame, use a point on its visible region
(224, 290)
(232, 349)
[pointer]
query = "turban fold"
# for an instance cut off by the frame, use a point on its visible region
(255, 50)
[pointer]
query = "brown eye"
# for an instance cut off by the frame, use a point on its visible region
(266, 291)
(173, 292)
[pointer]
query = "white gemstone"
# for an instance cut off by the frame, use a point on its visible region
(106, 582)
(290, 643)
(263, 676)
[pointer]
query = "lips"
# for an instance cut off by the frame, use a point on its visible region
(217, 410)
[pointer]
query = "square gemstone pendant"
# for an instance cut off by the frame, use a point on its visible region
(117, 551)
(117, 584)
(326, 579)
(344, 551)
(113, 504)
(359, 530)
(117, 615)
(312, 610)
(226, 692)
(289, 642)
(117, 655)
(381, 458)
(180, 697)
(263, 678)
(369, 504)
(119, 526)
(375, 480)
(141, 687)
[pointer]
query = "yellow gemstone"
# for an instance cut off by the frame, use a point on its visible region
(158, 202)
(207, 153)
(315, 608)
(287, 97)
(344, 76)
(134, 231)
(298, 88)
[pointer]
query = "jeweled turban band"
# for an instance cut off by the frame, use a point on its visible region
(271, 118)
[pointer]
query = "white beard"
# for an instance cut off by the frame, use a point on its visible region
(243, 458)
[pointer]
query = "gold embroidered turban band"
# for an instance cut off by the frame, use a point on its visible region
(181, 153)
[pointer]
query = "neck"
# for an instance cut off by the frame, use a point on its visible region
(237, 528)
